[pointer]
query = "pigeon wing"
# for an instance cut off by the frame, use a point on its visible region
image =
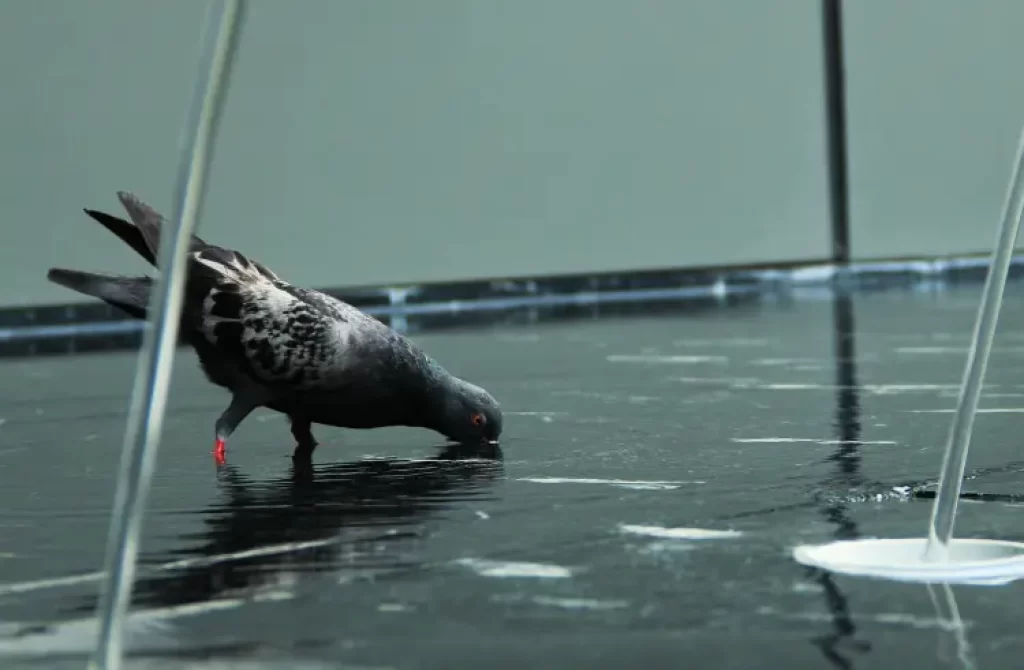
(278, 338)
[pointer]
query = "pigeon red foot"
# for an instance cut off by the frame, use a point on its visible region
(220, 452)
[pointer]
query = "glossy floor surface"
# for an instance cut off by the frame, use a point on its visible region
(655, 473)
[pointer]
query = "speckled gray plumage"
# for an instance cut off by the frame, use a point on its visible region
(295, 350)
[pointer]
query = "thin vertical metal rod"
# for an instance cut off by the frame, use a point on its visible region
(835, 123)
(940, 530)
(149, 396)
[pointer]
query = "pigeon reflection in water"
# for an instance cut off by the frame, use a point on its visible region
(361, 518)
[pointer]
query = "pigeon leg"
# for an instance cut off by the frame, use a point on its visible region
(241, 406)
(305, 442)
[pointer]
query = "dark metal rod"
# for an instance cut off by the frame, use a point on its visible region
(835, 123)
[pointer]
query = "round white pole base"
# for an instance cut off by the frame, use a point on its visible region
(979, 562)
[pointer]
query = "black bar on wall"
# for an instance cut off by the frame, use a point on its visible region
(835, 121)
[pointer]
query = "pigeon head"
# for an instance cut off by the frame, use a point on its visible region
(469, 414)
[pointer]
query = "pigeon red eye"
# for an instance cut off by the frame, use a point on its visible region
(478, 419)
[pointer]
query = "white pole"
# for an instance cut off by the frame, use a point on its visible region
(142, 436)
(940, 528)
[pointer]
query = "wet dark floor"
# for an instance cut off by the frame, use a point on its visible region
(655, 473)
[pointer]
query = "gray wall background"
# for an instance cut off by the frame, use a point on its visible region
(377, 141)
(935, 98)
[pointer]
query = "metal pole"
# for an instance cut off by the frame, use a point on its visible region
(153, 375)
(940, 530)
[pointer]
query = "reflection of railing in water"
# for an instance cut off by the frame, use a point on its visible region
(843, 627)
(842, 638)
(847, 476)
(847, 423)
(142, 436)
(948, 615)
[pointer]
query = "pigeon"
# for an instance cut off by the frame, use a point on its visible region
(293, 350)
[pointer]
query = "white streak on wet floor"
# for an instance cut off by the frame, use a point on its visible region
(664, 360)
(773, 440)
(678, 533)
(269, 550)
(876, 389)
(643, 486)
(737, 382)
(72, 580)
(535, 413)
(512, 569)
(620, 483)
(782, 361)
(887, 389)
(856, 442)
(953, 350)
(273, 596)
(988, 410)
(795, 387)
(930, 350)
(37, 584)
(727, 342)
(393, 607)
(892, 619)
(143, 629)
(580, 603)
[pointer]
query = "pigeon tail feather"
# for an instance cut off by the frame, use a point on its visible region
(142, 234)
(130, 294)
